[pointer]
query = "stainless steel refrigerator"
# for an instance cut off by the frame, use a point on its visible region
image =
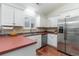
(68, 36)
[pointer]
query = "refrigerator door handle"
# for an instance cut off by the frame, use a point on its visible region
(65, 30)
(65, 27)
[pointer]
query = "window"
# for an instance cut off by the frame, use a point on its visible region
(32, 22)
(27, 22)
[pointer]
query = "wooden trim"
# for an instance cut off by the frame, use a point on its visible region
(42, 47)
(51, 46)
(64, 53)
(59, 50)
(37, 53)
(47, 27)
(50, 32)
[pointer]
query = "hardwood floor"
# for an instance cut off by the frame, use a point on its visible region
(49, 51)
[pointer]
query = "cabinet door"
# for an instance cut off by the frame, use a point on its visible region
(52, 21)
(37, 38)
(52, 40)
(19, 17)
(7, 15)
(37, 23)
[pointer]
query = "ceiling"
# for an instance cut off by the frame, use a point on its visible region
(42, 8)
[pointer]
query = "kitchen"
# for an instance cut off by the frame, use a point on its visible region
(38, 29)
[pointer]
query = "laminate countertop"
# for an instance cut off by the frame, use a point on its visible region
(9, 43)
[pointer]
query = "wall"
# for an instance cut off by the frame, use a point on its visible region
(0, 14)
(16, 5)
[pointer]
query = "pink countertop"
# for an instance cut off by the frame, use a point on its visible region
(9, 43)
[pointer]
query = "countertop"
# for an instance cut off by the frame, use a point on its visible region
(9, 43)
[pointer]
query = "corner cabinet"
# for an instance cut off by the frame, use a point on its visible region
(11, 15)
(52, 21)
(36, 38)
(52, 40)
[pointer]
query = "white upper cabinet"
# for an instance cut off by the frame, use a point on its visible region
(37, 24)
(10, 15)
(19, 17)
(52, 21)
(6, 15)
(71, 13)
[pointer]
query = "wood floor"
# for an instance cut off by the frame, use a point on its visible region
(49, 51)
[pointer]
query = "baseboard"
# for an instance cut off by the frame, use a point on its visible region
(51, 46)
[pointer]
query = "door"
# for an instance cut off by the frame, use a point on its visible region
(44, 39)
(52, 40)
(72, 42)
(61, 35)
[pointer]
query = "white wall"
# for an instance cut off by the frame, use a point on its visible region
(0, 14)
(16, 5)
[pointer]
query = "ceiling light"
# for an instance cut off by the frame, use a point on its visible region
(30, 11)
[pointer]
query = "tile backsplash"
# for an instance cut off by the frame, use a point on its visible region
(21, 30)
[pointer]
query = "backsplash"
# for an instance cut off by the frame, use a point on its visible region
(21, 30)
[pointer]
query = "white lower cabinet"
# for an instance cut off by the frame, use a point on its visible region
(52, 40)
(28, 50)
(37, 38)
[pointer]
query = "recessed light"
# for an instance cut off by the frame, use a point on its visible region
(30, 11)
